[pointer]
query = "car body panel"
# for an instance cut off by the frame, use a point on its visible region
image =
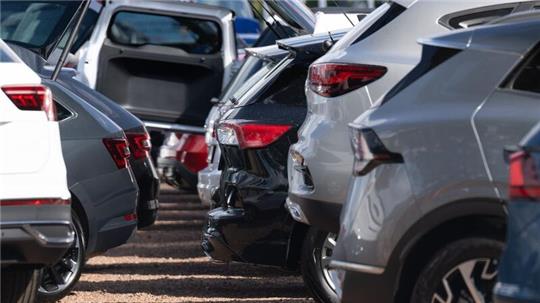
(323, 142)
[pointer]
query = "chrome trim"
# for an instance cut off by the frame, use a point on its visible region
(368, 269)
(175, 127)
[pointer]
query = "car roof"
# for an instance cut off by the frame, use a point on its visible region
(508, 37)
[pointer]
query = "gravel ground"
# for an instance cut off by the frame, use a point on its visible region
(165, 264)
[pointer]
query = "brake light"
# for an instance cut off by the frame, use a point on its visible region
(248, 135)
(192, 152)
(369, 151)
(34, 202)
(139, 144)
(118, 148)
(524, 180)
(32, 97)
(335, 79)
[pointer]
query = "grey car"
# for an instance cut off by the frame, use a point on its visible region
(103, 188)
(359, 69)
(425, 216)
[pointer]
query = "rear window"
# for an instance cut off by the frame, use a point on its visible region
(35, 24)
(194, 36)
(527, 76)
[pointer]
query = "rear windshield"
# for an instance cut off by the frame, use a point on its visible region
(194, 36)
(252, 81)
(35, 24)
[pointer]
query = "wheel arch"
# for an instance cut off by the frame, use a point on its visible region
(77, 206)
(456, 220)
(294, 247)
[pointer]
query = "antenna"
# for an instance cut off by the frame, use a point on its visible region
(343, 12)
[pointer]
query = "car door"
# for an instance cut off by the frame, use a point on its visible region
(508, 115)
(164, 62)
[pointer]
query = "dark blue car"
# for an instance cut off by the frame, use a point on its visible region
(519, 272)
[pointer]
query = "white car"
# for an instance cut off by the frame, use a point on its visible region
(35, 210)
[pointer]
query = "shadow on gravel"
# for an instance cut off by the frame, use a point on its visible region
(161, 267)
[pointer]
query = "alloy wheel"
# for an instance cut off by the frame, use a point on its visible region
(471, 281)
(57, 277)
(330, 276)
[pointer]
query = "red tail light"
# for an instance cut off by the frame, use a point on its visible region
(192, 152)
(118, 148)
(250, 135)
(369, 151)
(32, 97)
(334, 79)
(34, 202)
(139, 144)
(524, 180)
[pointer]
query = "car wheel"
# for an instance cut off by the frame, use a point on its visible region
(58, 280)
(316, 252)
(19, 285)
(462, 271)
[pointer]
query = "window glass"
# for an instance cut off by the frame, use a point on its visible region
(195, 36)
(528, 78)
(35, 24)
(61, 112)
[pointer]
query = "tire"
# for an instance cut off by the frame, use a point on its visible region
(52, 290)
(312, 266)
(19, 285)
(475, 258)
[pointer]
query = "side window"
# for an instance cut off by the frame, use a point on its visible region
(474, 17)
(62, 113)
(195, 36)
(528, 76)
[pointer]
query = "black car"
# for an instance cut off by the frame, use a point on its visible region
(251, 223)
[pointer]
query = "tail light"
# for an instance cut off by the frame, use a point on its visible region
(139, 144)
(32, 97)
(248, 135)
(524, 180)
(333, 79)
(119, 150)
(34, 202)
(369, 151)
(192, 152)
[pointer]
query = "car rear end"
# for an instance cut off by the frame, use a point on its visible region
(35, 210)
(418, 168)
(518, 274)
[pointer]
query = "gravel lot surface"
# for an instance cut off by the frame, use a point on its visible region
(165, 264)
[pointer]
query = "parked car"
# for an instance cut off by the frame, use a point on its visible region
(425, 217)
(35, 216)
(103, 187)
(250, 223)
(518, 271)
(306, 22)
(345, 82)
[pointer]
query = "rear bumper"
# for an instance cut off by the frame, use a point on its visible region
(148, 183)
(36, 243)
(323, 215)
(208, 184)
(235, 235)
